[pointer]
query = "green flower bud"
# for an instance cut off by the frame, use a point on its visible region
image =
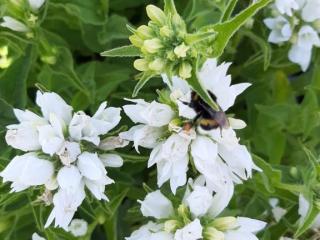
(4, 51)
(185, 70)
(184, 213)
(5, 62)
(211, 233)
(145, 32)
(165, 31)
(49, 59)
(157, 65)
(316, 25)
(156, 15)
(181, 50)
(152, 45)
(136, 41)
(171, 56)
(225, 223)
(171, 225)
(141, 65)
(179, 23)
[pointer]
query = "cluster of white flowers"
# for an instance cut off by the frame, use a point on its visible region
(196, 218)
(163, 127)
(297, 21)
(65, 153)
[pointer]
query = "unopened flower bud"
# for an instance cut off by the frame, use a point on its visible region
(141, 65)
(5, 62)
(225, 223)
(156, 15)
(211, 233)
(181, 50)
(136, 41)
(4, 51)
(157, 65)
(316, 25)
(145, 32)
(184, 213)
(165, 31)
(185, 70)
(171, 225)
(51, 60)
(171, 56)
(152, 45)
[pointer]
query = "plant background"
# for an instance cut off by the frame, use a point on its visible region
(281, 110)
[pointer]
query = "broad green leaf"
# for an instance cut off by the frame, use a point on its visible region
(227, 29)
(124, 51)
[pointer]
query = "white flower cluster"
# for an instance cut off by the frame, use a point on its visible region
(196, 217)
(297, 21)
(177, 142)
(63, 153)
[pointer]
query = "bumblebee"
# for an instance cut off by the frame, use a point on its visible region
(207, 117)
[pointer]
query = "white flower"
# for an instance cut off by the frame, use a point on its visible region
(247, 228)
(14, 24)
(215, 79)
(143, 135)
(171, 157)
(35, 236)
(25, 136)
(156, 205)
(146, 231)
(78, 227)
(69, 178)
(280, 29)
(301, 51)
(192, 231)
(51, 136)
(111, 160)
(106, 118)
(92, 168)
(199, 201)
(36, 4)
(82, 128)
(69, 152)
(286, 6)
(153, 114)
(51, 103)
(65, 205)
(311, 11)
(27, 170)
(303, 211)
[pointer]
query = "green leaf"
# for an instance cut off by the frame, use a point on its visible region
(228, 11)
(124, 51)
(227, 29)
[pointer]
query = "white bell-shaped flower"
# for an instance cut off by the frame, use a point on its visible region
(13, 24)
(25, 135)
(78, 227)
(92, 168)
(199, 201)
(51, 103)
(311, 11)
(65, 204)
(27, 170)
(287, 6)
(153, 114)
(36, 4)
(304, 206)
(280, 29)
(156, 205)
(192, 231)
(105, 118)
(146, 231)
